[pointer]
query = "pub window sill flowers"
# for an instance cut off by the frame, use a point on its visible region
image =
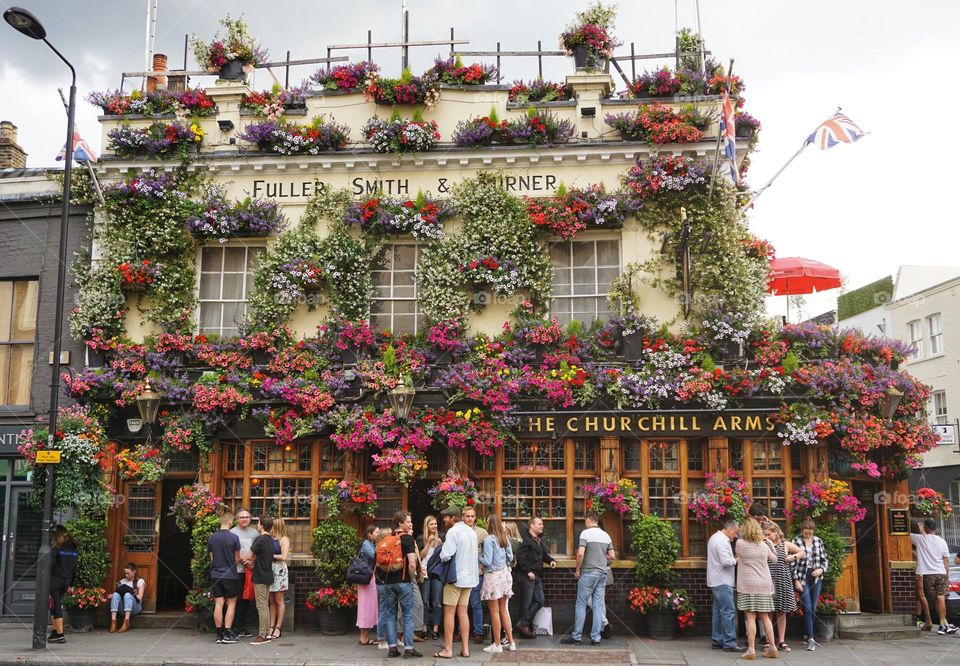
(408, 90)
(381, 216)
(193, 102)
(287, 138)
(657, 124)
(452, 71)
(222, 220)
(159, 140)
(621, 496)
(345, 78)
(724, 496)
(399, 136)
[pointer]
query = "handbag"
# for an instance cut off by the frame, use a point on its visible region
(359, 572)
(248, 594)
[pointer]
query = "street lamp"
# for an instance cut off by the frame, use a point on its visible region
(401, 399)
(148, 404)
(26, 23)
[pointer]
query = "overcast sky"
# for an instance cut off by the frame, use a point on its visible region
(865, 208)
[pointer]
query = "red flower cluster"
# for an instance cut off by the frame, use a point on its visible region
(134, 274)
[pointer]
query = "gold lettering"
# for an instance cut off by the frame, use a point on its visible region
(735, 422)
(771, 424)
(683, 424)
(591, 423)
(753, 423)
(695, 425)
(641, 421)
(550, 425)
(720, 424)
(659, 422)
(534, 424)
(625, 424)
(609, 424)
(571, 422)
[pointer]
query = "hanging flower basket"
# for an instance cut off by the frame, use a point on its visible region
(232, 70)
(454, 490)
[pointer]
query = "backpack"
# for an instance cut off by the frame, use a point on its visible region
(359, 571)
(390, 554)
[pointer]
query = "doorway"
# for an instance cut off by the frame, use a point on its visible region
(870, 568)
(21, 540)
(418, 504)
(173, 559)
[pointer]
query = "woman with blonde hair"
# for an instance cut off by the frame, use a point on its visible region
(431, 589)
(281, 577)
(786, 588)
(497, 582)
(754, 556)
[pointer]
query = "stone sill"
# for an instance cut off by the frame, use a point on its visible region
(562, 563)
(543, 105)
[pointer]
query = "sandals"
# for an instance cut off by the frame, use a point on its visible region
(783, 646)
(437, 655)
(749, 656)
(369, 641)
(275, 630)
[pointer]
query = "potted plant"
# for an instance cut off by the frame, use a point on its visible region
(356, 496)
(828, 607)
(588, 38)
(137, 277)
(665, 610)
(620, 496)
(81, 604)
(928, 502)
(198, 600)
(335, 544)
(724, 496)
(656, 548)
(453, 490)
(93, 560)
(233, 55)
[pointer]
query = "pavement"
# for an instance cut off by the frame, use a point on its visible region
(155, 647)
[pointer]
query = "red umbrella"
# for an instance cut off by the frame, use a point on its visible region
(796, 275)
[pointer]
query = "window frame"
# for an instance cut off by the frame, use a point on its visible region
(936, 339)
(939, 417)
(571, 297)
(10, 344)
(247, 280)
(419, 318)
(915, 333)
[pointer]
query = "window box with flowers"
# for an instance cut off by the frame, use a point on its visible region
(284, 138)
(222, 220)
(274, 103)
(191, 102)
(159, 140)
(657, 124)
(538, 91)
(569, 212)
(382, 216)
(347, 78)
(408, 90)
(452, 72)
(399, 136)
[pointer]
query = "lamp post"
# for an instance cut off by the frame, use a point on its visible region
(26, 23)
(401, 398)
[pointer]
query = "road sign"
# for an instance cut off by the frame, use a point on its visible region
(48, 456)
(947, 433)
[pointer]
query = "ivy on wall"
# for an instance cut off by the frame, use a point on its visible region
(865, 298)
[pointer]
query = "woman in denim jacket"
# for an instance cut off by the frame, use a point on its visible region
(497, 582)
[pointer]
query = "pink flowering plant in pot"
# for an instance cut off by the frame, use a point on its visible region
(620, 496)
(723, 496)
(453, 490)
(826, 501)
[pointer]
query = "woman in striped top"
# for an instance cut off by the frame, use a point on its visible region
(810, 571)
(785, 586)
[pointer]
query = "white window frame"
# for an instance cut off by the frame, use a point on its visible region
(935, 330)
(596, 278)
(419, 319)
(247, 278)
(915, 331)
(938, 400)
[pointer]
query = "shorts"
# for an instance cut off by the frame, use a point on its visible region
(225, 587)
(456, 596)
(935, 585)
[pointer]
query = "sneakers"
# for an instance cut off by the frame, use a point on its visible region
(570, 640)
(243, 633)
(512, 647)
(59, 638)
(411, 654)
(493, 648)
(944, 629)
(593, 642)
(227, 637)
(394, 652)
(811, 645)
(260, 640)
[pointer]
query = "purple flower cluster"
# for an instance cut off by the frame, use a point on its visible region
(193, 102)
(291, 139)
(159, 140)
(222, 219)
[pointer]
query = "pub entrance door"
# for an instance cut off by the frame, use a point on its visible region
(870, 570)
(21, 542)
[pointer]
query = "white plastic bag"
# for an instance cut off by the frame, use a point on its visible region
(543, 622)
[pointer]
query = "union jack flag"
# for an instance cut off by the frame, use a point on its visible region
(728, 134)
(82, 152)
(838, 128)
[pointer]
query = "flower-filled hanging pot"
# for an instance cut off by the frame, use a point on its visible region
(232, 70)
(580, 53)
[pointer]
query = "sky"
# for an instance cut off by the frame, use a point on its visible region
(865, 208)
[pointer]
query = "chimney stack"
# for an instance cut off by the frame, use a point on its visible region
(159, 65)
(12, 156)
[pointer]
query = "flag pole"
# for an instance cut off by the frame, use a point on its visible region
(716, 153)
(781, 170)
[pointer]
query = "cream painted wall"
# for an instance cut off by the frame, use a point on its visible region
(536, 172)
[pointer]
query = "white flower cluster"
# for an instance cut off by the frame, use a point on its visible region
(794, 433)
(78, 449)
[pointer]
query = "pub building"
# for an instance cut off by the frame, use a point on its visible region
(667, 451)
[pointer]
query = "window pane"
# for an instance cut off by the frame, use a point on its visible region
(234, 259)
(211, 259)
(608, 253)
(232, 286)
(560, 254)
(404, 257)
(6, 302)
(209, 317)
(232, 314)
(5, 375)
(24, 322)
(21, 372)
(584, 254)
(209, 286)
(664, 456)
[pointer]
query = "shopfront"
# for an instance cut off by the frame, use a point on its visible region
(20, 527)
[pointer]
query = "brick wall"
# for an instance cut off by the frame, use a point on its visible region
(306, 581)
(903, 591)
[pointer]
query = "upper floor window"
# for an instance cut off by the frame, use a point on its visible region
(18, 331)
(582, 272)
(936, 334)
(226, 281)
(394, 305)
(916, 338)
(940, 408)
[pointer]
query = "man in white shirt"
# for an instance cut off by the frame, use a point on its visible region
(933, 563)
(246, 534)
(721, 578)
(460, 545)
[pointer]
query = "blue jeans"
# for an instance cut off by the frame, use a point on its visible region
(724, 616)
(811, 595)
(476, 609)
(392, 594)
(431, 589)
(591, 587)
(129, 602)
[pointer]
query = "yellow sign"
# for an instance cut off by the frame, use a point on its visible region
(50, 456)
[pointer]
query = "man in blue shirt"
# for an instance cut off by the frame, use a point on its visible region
(225, 585)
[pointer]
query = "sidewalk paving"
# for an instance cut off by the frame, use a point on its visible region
(150, 647)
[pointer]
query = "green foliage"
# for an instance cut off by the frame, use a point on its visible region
(598, 14)
(656, 547)
(200, 561)
(790, 363)
(723, 275)
(689, 42)
(865, 298)
(93, 555)
(836, 547)
(335, 544)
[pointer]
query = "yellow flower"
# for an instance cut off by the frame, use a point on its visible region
(197, 132)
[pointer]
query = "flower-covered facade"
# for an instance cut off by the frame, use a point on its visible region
(576, 317)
